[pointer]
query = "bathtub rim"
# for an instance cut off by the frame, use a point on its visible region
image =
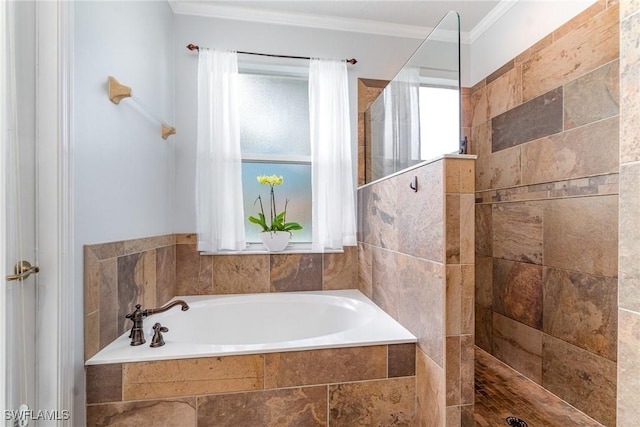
(383, 331)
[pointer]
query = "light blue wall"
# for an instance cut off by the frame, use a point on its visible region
(123, 169)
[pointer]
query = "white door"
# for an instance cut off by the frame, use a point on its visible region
(20, 207)
(35, 367)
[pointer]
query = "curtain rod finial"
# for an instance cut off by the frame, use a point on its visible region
(192, 46)
(352, 61)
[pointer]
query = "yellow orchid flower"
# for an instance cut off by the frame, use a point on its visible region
(278, 219)
(270, 180)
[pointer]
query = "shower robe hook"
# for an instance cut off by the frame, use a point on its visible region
(414, 185)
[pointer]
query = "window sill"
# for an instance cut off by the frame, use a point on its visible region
(292, 248)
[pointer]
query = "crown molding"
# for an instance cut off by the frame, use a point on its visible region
(491, 18)
(334, 23)
(300, 20)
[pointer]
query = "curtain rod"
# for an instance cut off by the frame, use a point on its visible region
(192, 47)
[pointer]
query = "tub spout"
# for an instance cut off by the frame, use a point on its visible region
(150, 311)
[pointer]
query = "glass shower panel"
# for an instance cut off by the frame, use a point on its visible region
(398, 127)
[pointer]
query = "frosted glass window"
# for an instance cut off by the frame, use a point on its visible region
(274, 116)
(439, 121)
(274, 125)
(296, 187)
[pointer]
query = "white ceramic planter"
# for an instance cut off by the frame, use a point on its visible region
(275, 241)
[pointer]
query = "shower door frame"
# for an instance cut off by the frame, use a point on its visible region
(54, 329)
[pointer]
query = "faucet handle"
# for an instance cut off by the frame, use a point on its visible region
(158, 340)
(136, 317)
(136, 314)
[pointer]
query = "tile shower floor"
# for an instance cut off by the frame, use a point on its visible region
(502, 392)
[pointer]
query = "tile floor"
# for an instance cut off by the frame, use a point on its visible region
(502, 392)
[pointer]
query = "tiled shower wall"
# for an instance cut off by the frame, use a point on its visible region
(416, 262)
(545, 128)
(150, 271)
(629, 255)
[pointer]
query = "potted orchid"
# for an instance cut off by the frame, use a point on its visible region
(275, 234)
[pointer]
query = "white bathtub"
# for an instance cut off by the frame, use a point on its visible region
(225, 325)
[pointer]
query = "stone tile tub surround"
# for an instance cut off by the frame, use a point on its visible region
(333, 387)
(546, 128)
(118, 275)
(227, 325)
(416, 255)
(372, 385)
(151, 271)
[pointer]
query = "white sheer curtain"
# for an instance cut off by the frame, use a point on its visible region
(219, 207)
(334, 224)
(402, 119)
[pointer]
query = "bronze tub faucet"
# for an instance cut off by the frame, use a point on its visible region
(138, 315)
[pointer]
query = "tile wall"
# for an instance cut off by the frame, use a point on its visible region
(333, 387)
(240, 274)
(629, 247)
(373, 385)
(416, 253)
(119, 275)
(546, 128)
(151, 271)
